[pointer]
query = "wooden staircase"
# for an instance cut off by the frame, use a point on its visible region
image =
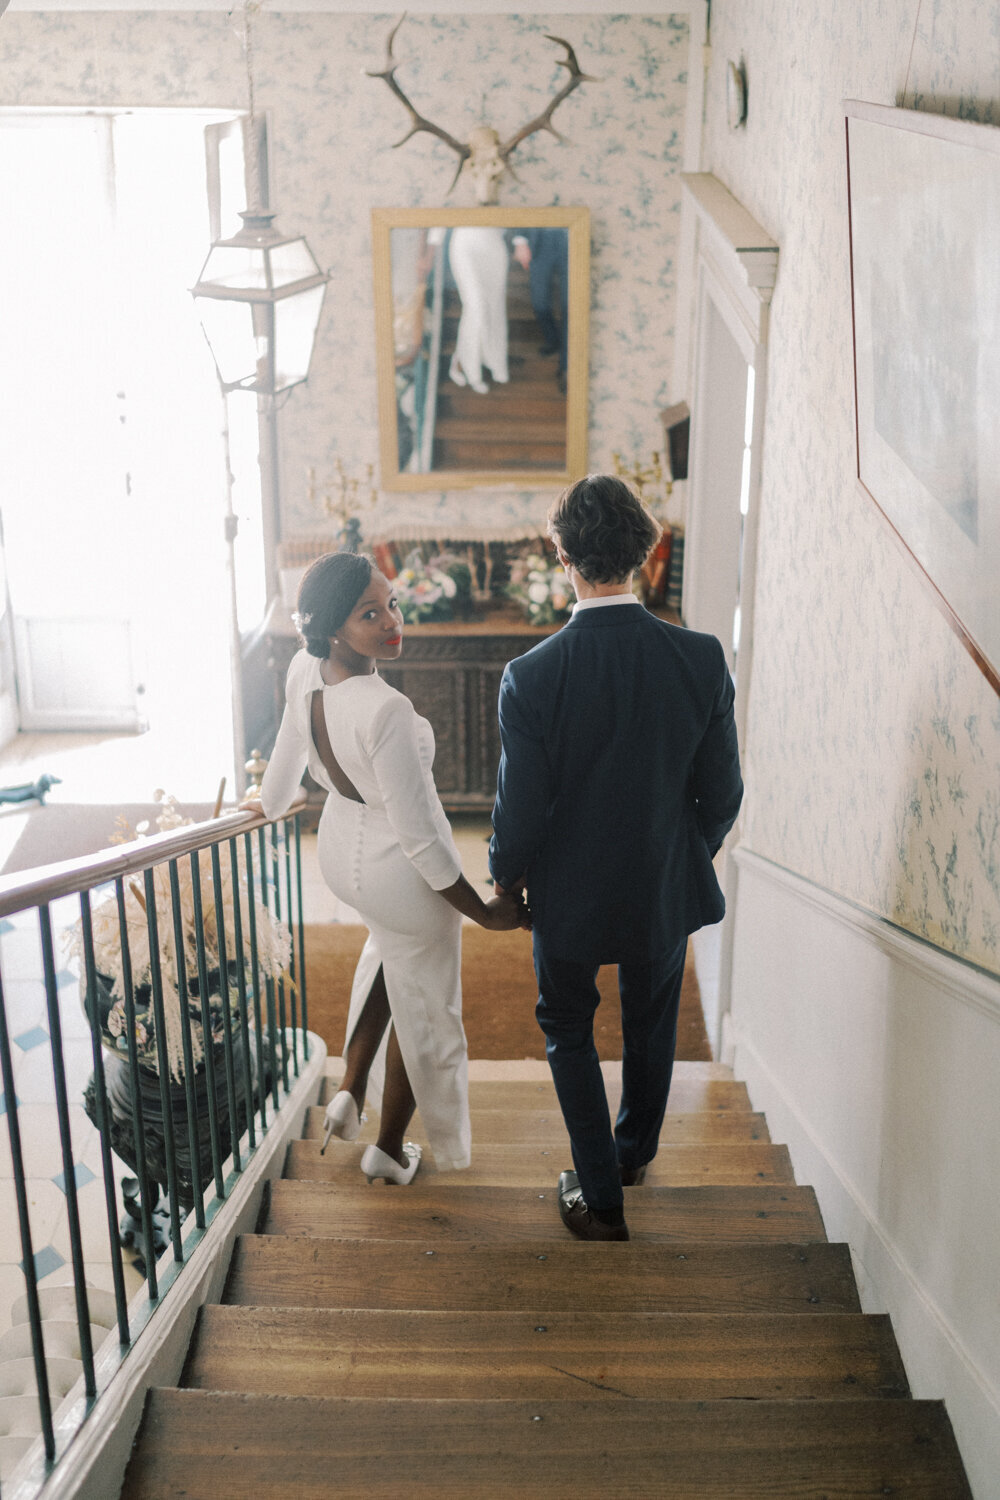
(451, 1339)
(520, 425)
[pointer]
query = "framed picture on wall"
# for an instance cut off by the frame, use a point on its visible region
(924, 205)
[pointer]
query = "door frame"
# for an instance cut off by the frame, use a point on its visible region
(732, 263)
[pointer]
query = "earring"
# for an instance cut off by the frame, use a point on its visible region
(335, 641)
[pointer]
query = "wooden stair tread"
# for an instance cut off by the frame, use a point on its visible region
(427, 1210)
(500, 455)
(536, 1070)
(746, 1163)
(489, 1355)
(495, 429)
(203, 1443)
(516, 1127)
(688, 1095)
(541, 403)
(555, 1274)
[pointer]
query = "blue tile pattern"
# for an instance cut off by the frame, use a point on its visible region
(46, 1260)
(81, 1173)
(36, 1037)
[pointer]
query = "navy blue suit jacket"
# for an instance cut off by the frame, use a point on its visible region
(619, 779)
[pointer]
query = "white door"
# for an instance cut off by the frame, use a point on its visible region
(714, 543)
(68, 521)
(112, 459)
(8, 685)
(734, 267)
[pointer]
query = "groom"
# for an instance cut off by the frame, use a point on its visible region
(619, 779)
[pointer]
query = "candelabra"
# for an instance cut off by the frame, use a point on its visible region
(345, 500)
(654, 578)
(641, 477)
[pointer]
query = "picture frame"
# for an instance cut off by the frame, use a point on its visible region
(412, 253)
(924, 215)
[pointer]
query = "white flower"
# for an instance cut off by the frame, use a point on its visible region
(449, 586)
(538, 593)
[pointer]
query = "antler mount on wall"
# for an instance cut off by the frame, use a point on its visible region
(484, 159)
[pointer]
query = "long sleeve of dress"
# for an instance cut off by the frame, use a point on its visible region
(285, 768)
(411, 803)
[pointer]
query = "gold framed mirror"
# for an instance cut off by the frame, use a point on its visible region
(481, 333)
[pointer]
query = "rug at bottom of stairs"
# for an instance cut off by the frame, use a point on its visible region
(498, 995)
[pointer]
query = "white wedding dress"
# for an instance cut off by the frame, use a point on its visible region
(479, 259)
(387, 857)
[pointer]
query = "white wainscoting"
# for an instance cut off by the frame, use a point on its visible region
(876, 1057)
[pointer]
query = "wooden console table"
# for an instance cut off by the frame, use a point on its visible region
(451, 674)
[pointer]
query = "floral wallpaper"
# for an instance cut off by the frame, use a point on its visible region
(332, 132)
(874, 742)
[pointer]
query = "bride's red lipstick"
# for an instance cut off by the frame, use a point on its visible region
(392, 640)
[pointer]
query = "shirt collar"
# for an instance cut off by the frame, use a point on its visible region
(602, 599)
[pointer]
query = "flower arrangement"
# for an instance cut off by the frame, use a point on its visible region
(432, 589)
(273, 952)
(541, 588)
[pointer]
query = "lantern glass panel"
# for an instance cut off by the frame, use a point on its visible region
(229, 329)
(292, 261)
(239, 336)
(238, 266)
(295, 322)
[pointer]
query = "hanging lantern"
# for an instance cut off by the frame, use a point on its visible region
(259, 298)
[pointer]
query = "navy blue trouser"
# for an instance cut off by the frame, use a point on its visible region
(567, 1000)
(550, 302)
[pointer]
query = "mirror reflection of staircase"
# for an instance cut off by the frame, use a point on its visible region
(518, 425)
(450, 1338)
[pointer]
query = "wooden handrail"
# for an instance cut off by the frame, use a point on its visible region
(67, 877)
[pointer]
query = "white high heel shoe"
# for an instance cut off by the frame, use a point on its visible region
(459, 377)
(342, 1119)
(376, 1163)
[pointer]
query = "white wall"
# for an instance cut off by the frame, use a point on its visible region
(875, 1057)
(873, 741)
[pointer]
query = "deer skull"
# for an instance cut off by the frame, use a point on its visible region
(484, 164)
(484, 158)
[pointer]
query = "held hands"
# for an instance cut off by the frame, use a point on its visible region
(507, 911)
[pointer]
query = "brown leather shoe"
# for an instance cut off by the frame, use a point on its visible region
(577, 1216)
(632, 1176)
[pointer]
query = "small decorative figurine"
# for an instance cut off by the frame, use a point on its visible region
(31, 791)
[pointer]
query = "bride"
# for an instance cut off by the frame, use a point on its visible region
(385, 848)
(478, 256)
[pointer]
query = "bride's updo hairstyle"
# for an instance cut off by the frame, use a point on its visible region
(330, 589)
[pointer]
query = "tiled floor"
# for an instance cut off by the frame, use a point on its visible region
(94, 768)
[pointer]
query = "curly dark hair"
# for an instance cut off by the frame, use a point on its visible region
(330, 589)
(602, 528)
